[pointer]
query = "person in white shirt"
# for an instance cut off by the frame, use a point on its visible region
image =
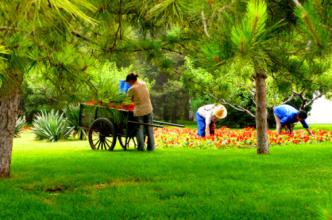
(206, 116)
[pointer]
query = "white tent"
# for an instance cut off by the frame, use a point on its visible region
(321, 112)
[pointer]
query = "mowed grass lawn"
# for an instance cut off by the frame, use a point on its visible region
(67, 180)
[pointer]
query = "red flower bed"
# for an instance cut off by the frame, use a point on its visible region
(225, 137)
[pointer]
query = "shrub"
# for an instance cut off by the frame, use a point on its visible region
(73, 118)
(106, 77)
(51, 126)
(20, 123)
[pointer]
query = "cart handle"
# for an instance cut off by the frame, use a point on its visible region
(167, 123)
(139, 123)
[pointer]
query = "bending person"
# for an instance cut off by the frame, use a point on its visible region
(206, 117)
(139, 94)
(286, 116)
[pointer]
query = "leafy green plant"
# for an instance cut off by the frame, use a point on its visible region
(73, 118)
(51, 126)
(105, 78)
(20, 123)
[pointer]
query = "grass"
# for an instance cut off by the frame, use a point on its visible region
(67, 180)
(317, 126)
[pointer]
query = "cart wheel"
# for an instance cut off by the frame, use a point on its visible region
(102, 135)
(131, 142)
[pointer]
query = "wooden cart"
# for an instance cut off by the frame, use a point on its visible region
(108, 124)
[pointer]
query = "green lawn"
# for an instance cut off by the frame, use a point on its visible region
(317, 126)
(67, 180)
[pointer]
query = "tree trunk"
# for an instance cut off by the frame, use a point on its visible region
(8, 111)
(174, 111)
(186, 108)
(261, 113)
(165, 108)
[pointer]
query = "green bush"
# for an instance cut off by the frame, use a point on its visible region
(20, 123)
(105, 77)
(51, 126)
(73, 118)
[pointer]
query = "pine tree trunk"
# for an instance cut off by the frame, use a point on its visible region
(186, 108)
(8, 112)
(261, 113)
(165, 109)
(174, 113)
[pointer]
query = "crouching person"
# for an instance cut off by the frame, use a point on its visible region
(206, 117)
(286, 116)
(139, 94)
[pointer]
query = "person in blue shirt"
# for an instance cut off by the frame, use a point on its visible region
(286, 116)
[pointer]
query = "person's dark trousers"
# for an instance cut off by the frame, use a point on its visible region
(149, 133)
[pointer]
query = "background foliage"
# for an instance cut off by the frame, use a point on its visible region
(187, 50)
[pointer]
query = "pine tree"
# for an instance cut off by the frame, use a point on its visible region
(29, 37)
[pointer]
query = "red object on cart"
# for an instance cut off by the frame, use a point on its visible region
(125, 107)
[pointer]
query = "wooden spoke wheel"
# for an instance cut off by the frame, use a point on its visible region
(102, 135)
(130, 143)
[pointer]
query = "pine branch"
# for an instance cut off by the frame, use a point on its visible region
(147, 49)
(236, 107)
(239, 108)
(253, 95)
(305, 101)
(223, 9)
(289, 98)
(205, 24)
(313, 99)
(297, 3)
(308, 23)
(6, 28)
(118, 31)
(77, 34)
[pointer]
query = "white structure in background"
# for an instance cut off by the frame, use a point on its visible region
(321, 112)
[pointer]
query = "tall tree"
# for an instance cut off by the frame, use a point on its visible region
(263, 43)
(250, 38)
(32, 30)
